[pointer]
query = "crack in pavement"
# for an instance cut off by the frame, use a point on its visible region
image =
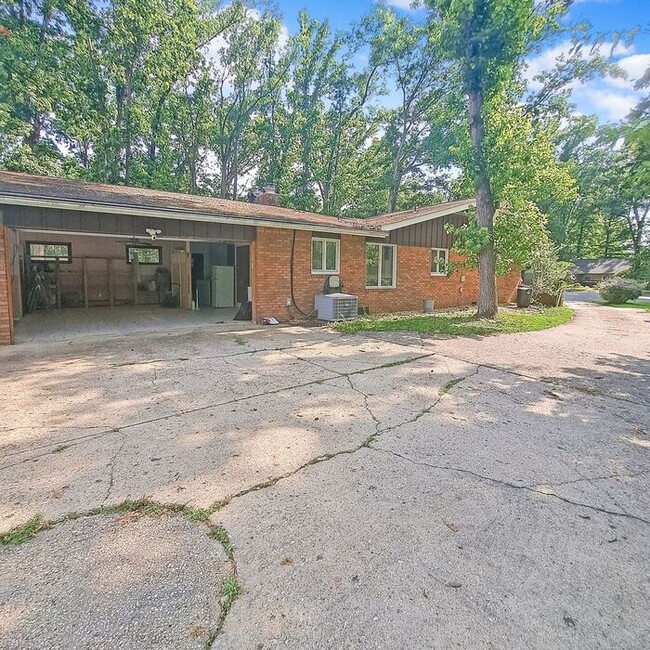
(123, 364)
(589, 479)
(111, 465)
(198, 409)
(366, 405)
(366, 444)
(551, 381)
(526, 488)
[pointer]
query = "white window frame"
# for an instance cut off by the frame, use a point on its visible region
(394, 247)
(325, 241)
(438, 250)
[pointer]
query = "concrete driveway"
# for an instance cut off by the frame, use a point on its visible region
(382, 491)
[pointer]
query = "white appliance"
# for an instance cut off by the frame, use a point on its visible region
(336, 306)
(222, 280)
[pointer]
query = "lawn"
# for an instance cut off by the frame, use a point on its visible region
(462, 323)
(627, 305)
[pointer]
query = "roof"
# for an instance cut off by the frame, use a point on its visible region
(72, 194)
(393, 220)
(601, 266)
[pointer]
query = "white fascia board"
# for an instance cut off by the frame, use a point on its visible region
(13, 199)
(427, 216)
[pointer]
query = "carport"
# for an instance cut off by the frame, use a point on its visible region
(102, 266)
(67, 244)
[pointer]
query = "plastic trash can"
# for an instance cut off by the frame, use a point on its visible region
(524, 295)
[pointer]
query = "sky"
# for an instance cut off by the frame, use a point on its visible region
(610, 99)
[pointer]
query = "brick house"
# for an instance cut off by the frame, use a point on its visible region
(67, 243)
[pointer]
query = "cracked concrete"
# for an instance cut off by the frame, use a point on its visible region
(124, 581)
(385, 491)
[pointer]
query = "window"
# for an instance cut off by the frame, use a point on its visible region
(144, 254)
(380, 266)
(439, 261)
(50, 252)
(324, 255)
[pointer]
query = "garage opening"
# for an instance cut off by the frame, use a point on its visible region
(90, 284)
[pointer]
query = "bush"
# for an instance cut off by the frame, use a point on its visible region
(640, 267)
(550, 275)
(619, 290)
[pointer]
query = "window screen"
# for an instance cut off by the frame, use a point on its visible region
(145, 254)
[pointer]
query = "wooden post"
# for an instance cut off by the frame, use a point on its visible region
(84, 271)
(57, 279)
(134, 273)
(111, 288)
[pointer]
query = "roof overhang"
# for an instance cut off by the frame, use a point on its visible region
(428, 215)
(185, 215)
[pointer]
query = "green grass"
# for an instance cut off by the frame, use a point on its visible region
(445, 388)
(21, 534)
(230, 589)
(221, 535)
(462, 323)
(627, 305)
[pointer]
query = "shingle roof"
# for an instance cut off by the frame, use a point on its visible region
(71, 190)
(430, 211)
(18, 187)
(601, 266)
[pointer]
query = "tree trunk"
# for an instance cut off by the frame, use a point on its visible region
(128, 101)
(34, 139)
(487, 305)
(396, 173)
(223, 190)
(192, 168)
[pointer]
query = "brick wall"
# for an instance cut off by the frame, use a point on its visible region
(271, 256)
(6, 317)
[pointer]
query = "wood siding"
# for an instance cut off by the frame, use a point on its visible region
(54, 219)
(428, 234)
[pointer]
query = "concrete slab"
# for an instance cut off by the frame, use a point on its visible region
(383, 491)
(70, 324)
(602, 351)
(112, 581)
(374, 551)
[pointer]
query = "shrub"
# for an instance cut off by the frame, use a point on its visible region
(640, 267)
(550, 275)
(620, 290)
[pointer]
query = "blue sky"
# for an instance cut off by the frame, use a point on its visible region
(610, 99)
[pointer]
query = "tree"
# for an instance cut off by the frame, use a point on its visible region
(245, 76)
(409, 57)
(485, 41)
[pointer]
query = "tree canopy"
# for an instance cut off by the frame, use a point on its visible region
(178, 95)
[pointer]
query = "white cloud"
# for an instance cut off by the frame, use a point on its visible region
(547, 59)
(610, 104)
(212, 49)
(635, 65)
(610, 98)
(402, 4)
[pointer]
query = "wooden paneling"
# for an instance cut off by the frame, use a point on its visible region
(53, 219)
(428, 234)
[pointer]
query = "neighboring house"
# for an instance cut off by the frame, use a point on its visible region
(95, 243)
(591, 272)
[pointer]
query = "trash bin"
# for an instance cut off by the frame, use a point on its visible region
(524, 294)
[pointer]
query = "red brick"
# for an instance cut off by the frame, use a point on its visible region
(271, 260)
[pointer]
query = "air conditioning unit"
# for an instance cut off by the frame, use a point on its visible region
(336, 306)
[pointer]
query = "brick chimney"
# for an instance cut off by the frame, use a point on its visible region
(268, 196)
